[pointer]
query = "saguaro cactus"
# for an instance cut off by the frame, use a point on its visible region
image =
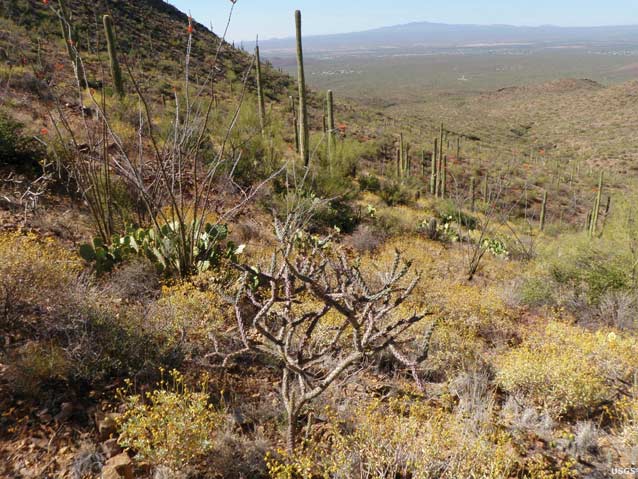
(433, 167)
(439, 186)
(543, 211)
(472, 193)
(486, 188)
(304, 135)
(401, 156)
(295, 122)
(116, 72)
(331, 122)
(444, 177)
(423, 165)
(261, 104)
(593, 228)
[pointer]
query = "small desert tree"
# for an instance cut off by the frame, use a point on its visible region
(313, 310)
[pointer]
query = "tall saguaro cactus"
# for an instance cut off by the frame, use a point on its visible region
(116, 72)
(261, 104)
(486, 188)
(304, 135)
(439, 183)
(593, 227)
(543, 211)
(433, 174)
(472, 194)
(295, 123)
(444, 177)
(330, 107)
(401, 156)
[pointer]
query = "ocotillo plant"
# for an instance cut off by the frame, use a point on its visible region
(116, 72)
(543, 211)
(331, 125)
(304, 135)
(70, 36)
(295, 123)
(261, 104)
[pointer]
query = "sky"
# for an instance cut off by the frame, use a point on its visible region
(275, 18)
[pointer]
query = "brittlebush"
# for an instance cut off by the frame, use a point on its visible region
(568, 370)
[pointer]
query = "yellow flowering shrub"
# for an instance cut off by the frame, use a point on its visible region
(568, 369)
(33, 271)
(400, 439)
(190, 315)
(172, 426)
(628, 437)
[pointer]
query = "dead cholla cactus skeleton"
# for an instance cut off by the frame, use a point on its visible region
(312, 310)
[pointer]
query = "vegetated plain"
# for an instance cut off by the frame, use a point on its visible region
(430, 273)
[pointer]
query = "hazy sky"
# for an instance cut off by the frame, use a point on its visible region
(274, 18)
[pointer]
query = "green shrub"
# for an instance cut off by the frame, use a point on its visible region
(447, 212)
(336, 214)
(393, 193)
(15, 148)
(536, 292)
(370, 183)
(590, 271)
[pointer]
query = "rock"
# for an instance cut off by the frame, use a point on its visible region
(111, 448)
(106, 425)
(66, 411)
(44, 415)
(118, 467)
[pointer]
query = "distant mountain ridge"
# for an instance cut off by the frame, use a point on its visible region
(441, 35)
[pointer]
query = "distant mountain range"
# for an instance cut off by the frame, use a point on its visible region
(438, 35)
